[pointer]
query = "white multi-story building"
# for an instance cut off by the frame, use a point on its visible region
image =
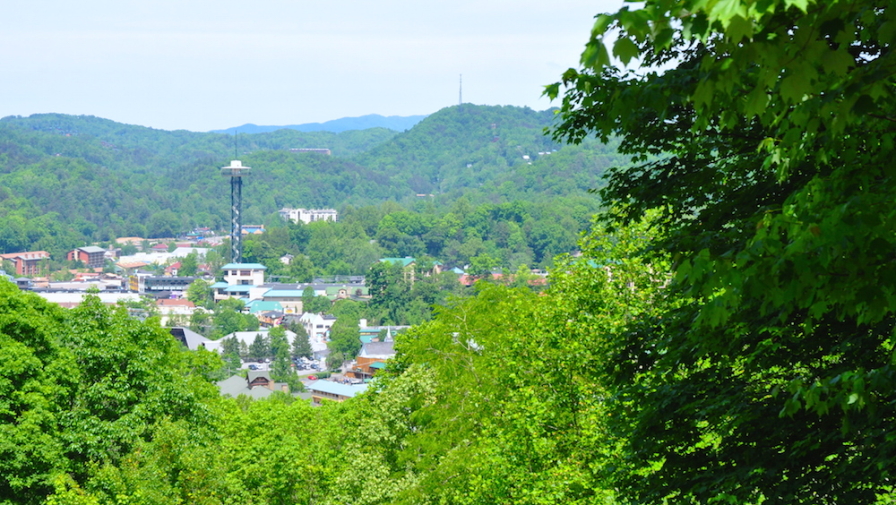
(241, 280)
(244, 274)
(318, 328)
(308, 215)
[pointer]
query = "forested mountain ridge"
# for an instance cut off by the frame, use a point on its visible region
(396, 123)
(181, 144)
(104, 179)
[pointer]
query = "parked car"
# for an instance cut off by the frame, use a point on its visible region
(253, 367)
(312, 377)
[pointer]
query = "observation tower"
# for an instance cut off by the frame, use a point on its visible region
(236, 171)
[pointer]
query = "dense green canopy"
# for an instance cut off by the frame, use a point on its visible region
(763, 133)
(725, 336)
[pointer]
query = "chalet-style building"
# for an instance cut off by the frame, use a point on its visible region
(373, 357)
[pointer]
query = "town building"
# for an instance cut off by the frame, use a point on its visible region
(308, 215)
(373, 357)
(240, 281)
(189, 338)
(290, 300)
(26, 263)
(314, 150)
(317, 326)
(328, 390)
(91, 256)
(245, 337)
(409, 267)
(178, 308)
(153, 284)
(244, 274)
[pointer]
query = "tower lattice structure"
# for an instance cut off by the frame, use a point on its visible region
(236, 171)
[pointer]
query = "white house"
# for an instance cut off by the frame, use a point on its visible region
(318, 328)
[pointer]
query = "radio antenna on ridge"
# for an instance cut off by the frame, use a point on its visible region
(460, 91)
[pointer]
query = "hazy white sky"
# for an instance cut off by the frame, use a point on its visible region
(201, 64)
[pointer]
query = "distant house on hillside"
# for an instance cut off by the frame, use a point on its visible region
(315, 150)
(347, 292)
(308, 215)
(409, 266)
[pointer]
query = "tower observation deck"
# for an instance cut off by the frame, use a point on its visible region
(236, 171)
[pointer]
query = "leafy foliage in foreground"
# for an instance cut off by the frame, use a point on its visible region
(773, 380)
(494, 396)
(504, 397)
(84, 387)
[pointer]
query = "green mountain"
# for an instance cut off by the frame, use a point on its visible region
(397, 123)
(70, 180)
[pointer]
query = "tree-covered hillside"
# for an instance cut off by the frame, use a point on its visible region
(99, 179)
(397, 123)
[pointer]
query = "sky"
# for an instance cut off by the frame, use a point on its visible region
(202, 65)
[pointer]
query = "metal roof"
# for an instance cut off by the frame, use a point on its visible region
(402, 261)
(244, 266)
(283, 293)
(263, 306)
(325, 386)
